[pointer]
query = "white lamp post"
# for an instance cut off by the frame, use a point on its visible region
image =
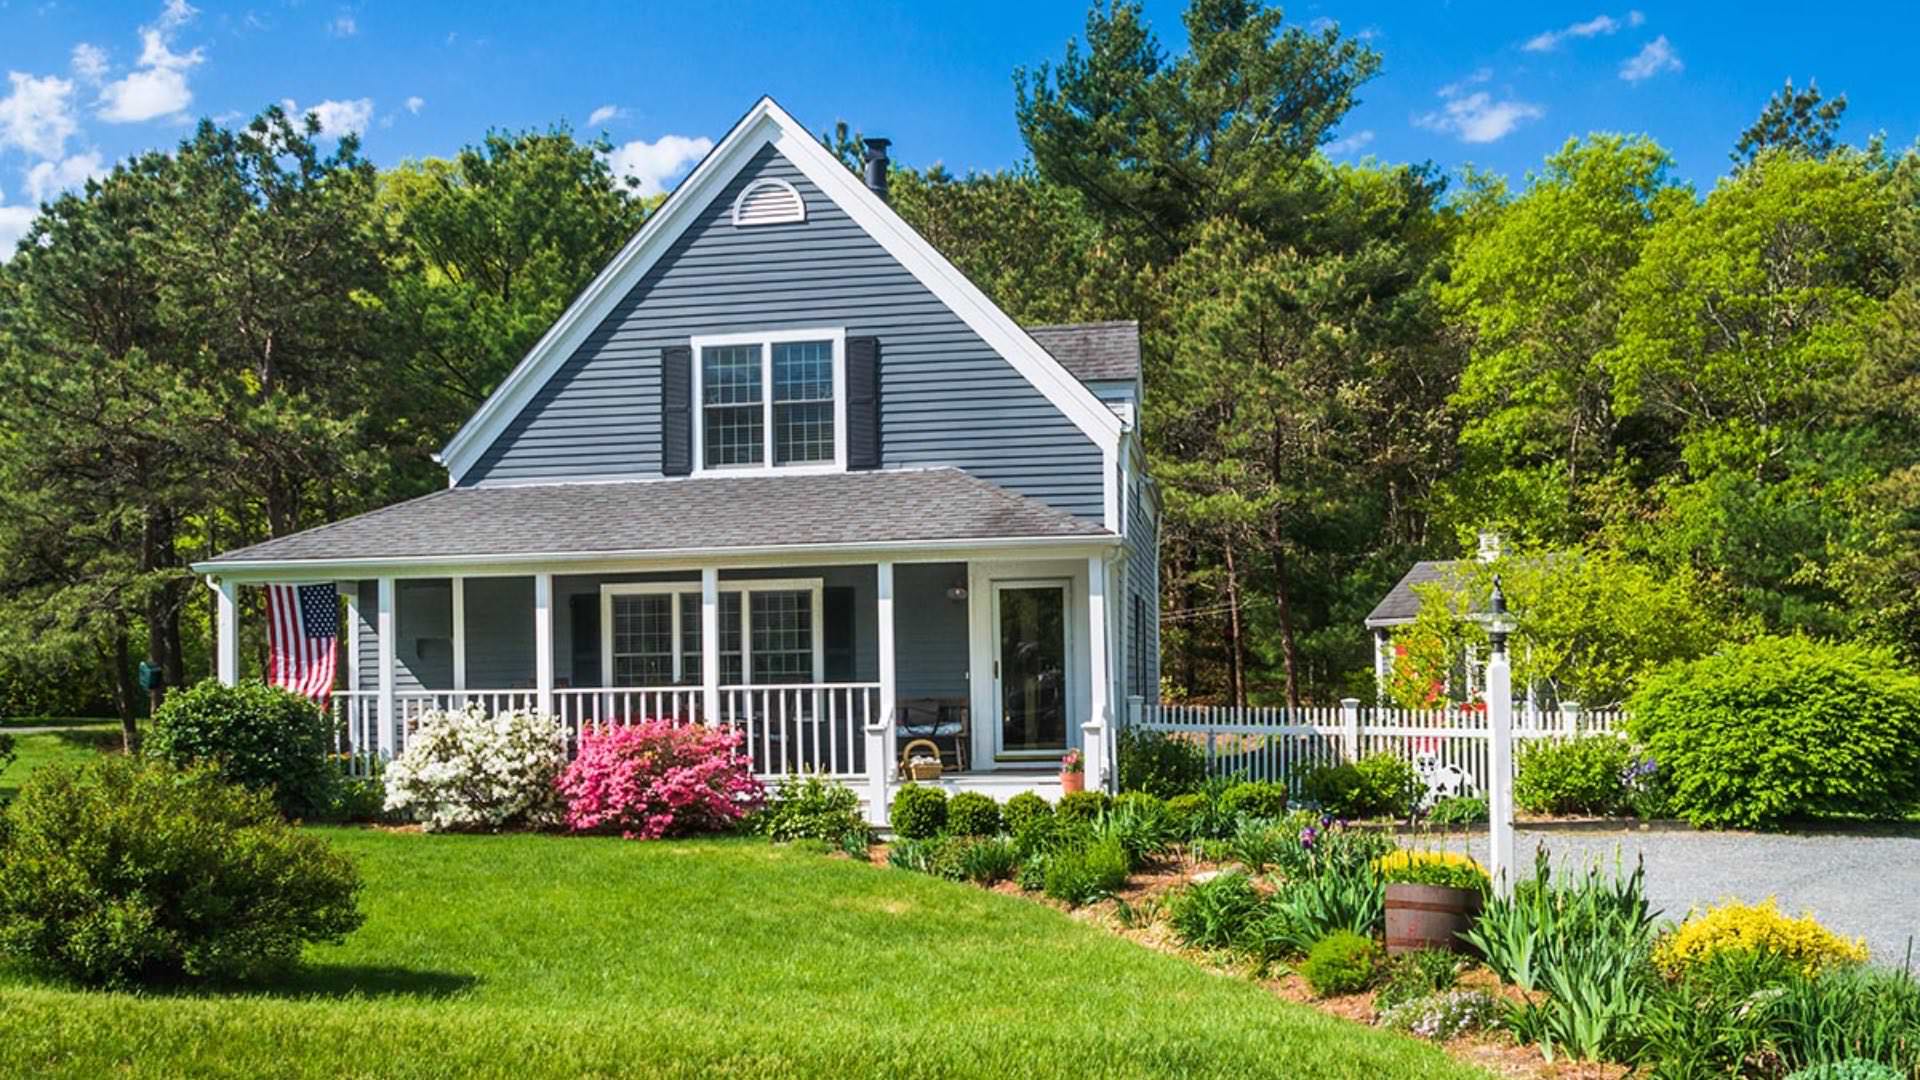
(1499, 696)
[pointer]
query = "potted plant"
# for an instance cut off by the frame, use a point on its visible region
(1073, 772)
(1432, 898)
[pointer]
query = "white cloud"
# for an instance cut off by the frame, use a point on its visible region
(1454, 88)
(36, 117)
(1658, 56)
(158, 84)
(1357, 141)
(90, 63)
(1598, 26)
(14, 221)
(1477, 117)
(50, 178)
(415, 104)
(337, 118)
(605, 113)
(655, 163)
(343, 25)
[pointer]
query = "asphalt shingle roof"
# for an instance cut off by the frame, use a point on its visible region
(1093, 351)
(1401, 603)
(851, 508)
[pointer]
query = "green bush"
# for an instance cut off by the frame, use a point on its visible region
(817, 808)
(1215, 914)
(1256, 799)
(918, 812)
(123, 871)
(1460, 810)
(1185, 813)
(982, 860)
(1378, 785)
(258, 736)
(1082, 805)
(1343, 962)
(1160, 764)
(970, 813)
(355, 798)
(1781, 728)
(1023, 809)
(1082, 874)
(1417, 975)
(1849, 1069)
(1578, 776)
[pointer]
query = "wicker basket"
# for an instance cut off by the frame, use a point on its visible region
(920, 768)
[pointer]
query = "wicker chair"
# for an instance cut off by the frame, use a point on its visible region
(946, 722)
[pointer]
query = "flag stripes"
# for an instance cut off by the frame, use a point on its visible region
(303, 627)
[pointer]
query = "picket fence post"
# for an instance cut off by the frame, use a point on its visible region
(1350, 728)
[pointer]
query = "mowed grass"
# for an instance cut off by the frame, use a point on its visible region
(33, 751)
(534, 956)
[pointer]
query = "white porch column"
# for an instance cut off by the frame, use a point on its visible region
(1093, 742)
(1382, 664)
(880, 727)
(459, 632)
(227, 633)
(383, 640)
(709, 645)
(352, 596)
(543, 641)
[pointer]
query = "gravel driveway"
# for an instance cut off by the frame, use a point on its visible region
(1867, 886)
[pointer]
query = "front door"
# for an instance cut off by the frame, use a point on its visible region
(1030, 667)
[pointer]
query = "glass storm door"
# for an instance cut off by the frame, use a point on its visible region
(1030, 665)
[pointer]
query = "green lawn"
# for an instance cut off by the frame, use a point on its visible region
(533, 956)
(57, 721)
(33, 751)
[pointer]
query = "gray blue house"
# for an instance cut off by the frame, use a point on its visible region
(781, 466)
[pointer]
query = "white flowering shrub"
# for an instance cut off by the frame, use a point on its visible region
(469, 770)
(1443, 1015)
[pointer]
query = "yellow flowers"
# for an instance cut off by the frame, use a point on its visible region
(1737, 927)
(1447, 868)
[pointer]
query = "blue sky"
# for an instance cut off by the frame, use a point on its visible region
(1496, 85)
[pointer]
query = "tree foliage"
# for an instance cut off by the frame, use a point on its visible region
(1797, 120)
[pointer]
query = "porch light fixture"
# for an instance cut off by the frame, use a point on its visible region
(956, 592)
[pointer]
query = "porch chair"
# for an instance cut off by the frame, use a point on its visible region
(945, 722)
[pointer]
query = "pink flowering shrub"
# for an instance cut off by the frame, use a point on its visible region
(654, 779)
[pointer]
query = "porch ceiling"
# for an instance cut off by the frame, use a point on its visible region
(701, 514)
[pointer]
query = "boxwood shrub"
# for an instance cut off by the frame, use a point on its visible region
(1578, 776)
(1082, 805)
(1255, 799)
(1781, 728)
(918, 812)
(126, 871)
(258, 736)
(972, 813)
(1378, 785)
(1024, 810)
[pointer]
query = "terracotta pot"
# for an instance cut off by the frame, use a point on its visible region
(1429, 917)
(1072, 781)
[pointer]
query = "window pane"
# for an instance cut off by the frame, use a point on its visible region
(733, 435)
(782, 637)
(802, 433)
(730, 669)
(803, 371)
(730, 375)
(690, 637)
(642, 640)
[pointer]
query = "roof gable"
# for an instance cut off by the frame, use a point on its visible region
(763, 126)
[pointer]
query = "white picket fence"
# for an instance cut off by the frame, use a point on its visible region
(1280, 744)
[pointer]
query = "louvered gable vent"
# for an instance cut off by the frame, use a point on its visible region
(768, 202)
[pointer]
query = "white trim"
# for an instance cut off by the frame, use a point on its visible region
(795, 212)
(459, 632)
(543, 641)
(710, 622)
(880, 730)
(955, 550)
(767, 339)
(384, 629)
(767, 123)
(1068, 661)
(709, 644)
(227, 636)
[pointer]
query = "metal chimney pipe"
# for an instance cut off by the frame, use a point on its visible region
(877, 165)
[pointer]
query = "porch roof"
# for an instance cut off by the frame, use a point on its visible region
(699, 514)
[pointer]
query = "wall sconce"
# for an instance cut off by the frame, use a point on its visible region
(956, 592)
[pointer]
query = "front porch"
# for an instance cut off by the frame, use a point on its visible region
(1002, 662)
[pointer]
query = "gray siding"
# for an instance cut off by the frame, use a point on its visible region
(930, 631)
(1143, 586)
(500, 633)
(423, 642)
(946, 397)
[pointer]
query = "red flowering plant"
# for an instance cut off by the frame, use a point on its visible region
(655, 779)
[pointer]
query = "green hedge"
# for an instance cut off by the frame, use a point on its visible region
(1579, 776)
(1783, 728)
(258, 736)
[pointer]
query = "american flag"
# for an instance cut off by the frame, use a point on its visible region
(303, 622)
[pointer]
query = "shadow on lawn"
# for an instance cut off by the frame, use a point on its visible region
(368, 981)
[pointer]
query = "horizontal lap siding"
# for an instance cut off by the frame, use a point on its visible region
(946, 397)
(930, 631)
(1143, 573)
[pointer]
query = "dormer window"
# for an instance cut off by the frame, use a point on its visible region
(772, 400)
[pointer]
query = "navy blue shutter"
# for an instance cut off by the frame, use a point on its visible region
(676, 410)
(863, 403)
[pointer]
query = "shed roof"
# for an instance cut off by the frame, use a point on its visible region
(1401, 603)
(706, 513)
(1093, 351)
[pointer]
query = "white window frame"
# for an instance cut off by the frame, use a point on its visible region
(767, 339)
(813, 586)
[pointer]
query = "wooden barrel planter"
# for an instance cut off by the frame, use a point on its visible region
(1429, 917)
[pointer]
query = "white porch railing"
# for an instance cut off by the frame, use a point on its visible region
(815, 727)
(1281, 744)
